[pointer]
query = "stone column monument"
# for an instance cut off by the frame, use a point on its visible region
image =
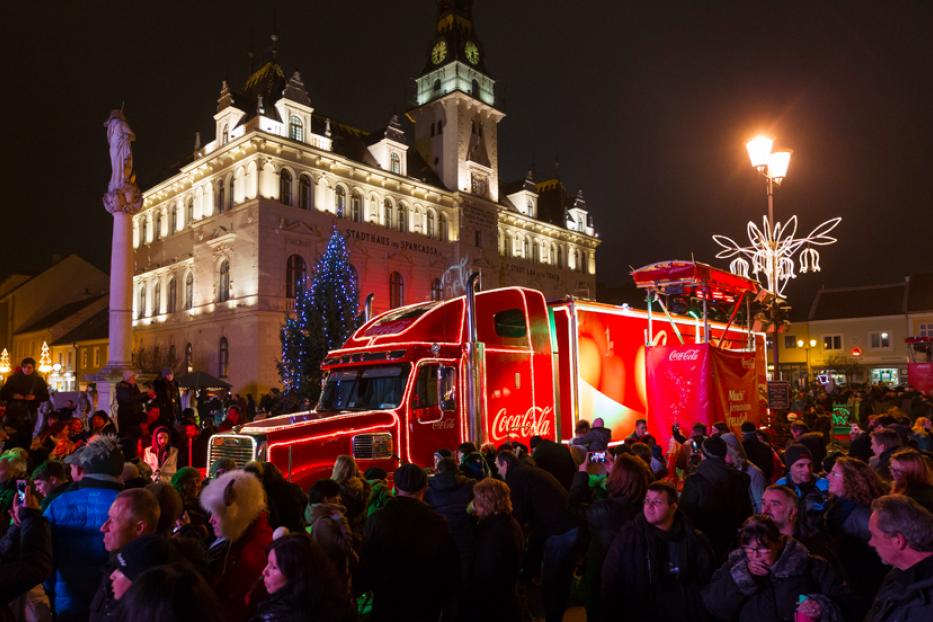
(123, 199)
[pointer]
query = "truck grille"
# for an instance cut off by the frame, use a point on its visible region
(372, 446)
(240, 449)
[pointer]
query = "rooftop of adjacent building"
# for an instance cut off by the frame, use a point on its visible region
(912, 295)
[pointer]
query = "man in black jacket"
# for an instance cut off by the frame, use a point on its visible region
(409, 559)
(554, 458)
(131, 413)
(657, 564)
(715, 498)
(541, 505)
(760, 454)
(449, 494)
(23, 392)
(168, 398)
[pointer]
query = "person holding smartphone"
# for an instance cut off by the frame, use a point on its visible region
(28, 561)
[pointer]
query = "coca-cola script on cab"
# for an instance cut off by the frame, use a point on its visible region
(684, 355)
(535, 421)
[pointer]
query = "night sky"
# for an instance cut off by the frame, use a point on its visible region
(646, 106)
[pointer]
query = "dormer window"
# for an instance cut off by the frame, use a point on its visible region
(224, 135)
(437, 85)
(395, 163)
(296, 130)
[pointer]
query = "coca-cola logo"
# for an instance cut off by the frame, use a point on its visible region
(535, 421)
(748, 363)
(684, 355)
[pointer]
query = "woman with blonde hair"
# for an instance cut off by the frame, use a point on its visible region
(498, 546)
(922, 433)
(913, 476)
(853, 486)
(354, 491)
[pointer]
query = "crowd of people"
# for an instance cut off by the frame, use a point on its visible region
(108, 523)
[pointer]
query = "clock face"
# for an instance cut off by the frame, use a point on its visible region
(472, 52)
(439, 53)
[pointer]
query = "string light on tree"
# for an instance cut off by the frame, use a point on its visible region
(4, 362)
(45, 359)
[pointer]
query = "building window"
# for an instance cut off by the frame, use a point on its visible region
(396, 290)
(437, 292)
(223, 289)
(189, 210)
(178, 222)
(356, 208)
(295, 271)
(172, 295)
(157, 298)
(442, 225)
(395, 164)
(285, 187)
(189, 291)
(387, 213)
(304, 192)
(157, 227)
(340, 201)
(96, 357)
(926, 330)
(832, 342)
(474, 88)
(402, 219)
(296, 130)
(189, 357)
(224, 135)
(223, 358)
(221, 203)
(790, 342)
(84, 358)
(431, 232)
(880, 340)
(142, 302)
(437, 85)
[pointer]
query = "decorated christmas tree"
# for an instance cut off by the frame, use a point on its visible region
(324, 316)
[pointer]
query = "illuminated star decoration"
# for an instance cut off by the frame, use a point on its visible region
(771, 251)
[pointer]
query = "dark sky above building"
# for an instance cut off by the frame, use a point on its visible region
(646, 106)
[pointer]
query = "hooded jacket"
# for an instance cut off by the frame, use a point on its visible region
(328, 526)
(716, 501)
(450, 494)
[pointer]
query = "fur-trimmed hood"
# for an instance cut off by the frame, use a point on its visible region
(236, 498)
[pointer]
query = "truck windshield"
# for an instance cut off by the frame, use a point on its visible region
(364, 388)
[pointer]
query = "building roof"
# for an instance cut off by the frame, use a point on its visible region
(920, 292)
(855, 302)
(60, 314)
(95, 327)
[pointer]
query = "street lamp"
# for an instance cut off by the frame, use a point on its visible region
(772, 248)
(807, 345)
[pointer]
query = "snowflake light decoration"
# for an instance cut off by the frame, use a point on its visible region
(772, 251)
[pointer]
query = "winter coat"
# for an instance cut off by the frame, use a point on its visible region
(354, 493)
(652, 575)
(27, 559)
(811, 503)
(759, 454)
(846, 527)
(905, 595)
(165, 470)
(75, 518)
(539, 501)
(492, 579)
(22, 414)
(555, 458)
(276, 608)
(168, 400)
(130, 411)
(328, 526)
(449, 494)
(597, 439)
(104, 607)
(287, 504)
(756, 485)
(236, 567)
(716, 501)
(408, 544)
(734, 593)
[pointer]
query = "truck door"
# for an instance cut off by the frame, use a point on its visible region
(433, 423)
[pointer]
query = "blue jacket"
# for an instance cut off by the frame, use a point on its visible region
(76, 517)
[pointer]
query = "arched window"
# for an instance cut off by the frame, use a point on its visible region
(560, 256)
(304, 192)
(285, 187)
(142, 301)
(340, 201)
(437, 85)
(437, 292)
(296, 130)
(223, 287)
(224, 135)
(157, 227)
(526, 248)
(474, 88)
(157, 298)
(172, 294)
(356, 208)
(189, 291)
(402, 218)
(189, 357)
(430, 228)
(230, 192)
(395, 163)
(552, 259)
(178, 223)
(221, 204)
(396, 290)
(295, 271)
(223, 358)
(387, 212)
(443, 226)
(189, 210)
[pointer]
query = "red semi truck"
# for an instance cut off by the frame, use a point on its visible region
(492, 366)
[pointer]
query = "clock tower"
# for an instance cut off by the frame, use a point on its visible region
(456, 118)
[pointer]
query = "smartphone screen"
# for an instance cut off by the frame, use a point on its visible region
(21, 490)
(597, 456)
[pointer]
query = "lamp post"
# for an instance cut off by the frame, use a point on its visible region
(807, 345)
(772, 248)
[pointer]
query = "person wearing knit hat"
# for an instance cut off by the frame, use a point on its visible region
(410, 479)
(135, 558)
(812, 491)
(716, 497)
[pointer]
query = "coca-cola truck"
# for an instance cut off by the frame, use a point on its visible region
(493, 366)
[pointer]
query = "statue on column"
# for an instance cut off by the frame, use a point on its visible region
(123, 194)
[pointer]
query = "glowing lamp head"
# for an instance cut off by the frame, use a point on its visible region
(759, 151)
(813, 343)
(778, 163)
(800, 343)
